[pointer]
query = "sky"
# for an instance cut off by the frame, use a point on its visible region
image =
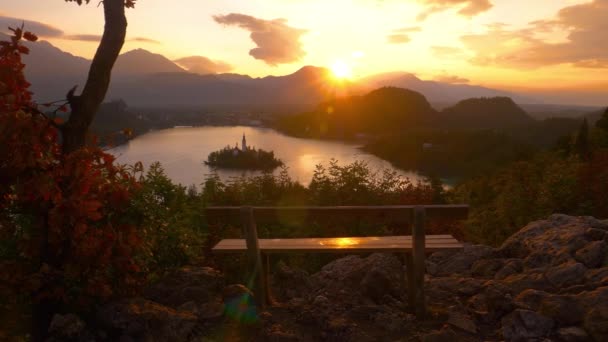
(514, 44)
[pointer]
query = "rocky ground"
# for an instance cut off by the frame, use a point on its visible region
(548, 282)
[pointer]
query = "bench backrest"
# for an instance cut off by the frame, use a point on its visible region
(394, 213)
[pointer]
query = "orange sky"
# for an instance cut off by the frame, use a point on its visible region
(507, 43)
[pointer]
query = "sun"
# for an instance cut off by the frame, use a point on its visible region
(341, 70)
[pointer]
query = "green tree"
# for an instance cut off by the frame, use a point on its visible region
(602, 123)
(581, 144)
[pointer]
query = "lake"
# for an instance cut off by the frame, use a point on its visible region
(182, 151)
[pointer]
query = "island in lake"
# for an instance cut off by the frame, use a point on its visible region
(243, 158)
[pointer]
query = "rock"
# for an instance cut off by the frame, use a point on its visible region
(240, 304)
(320, 301)
(235, 291)
(592, 255)
(513, 266)
(545, 237)
(596, 321)
(445, 334)
(597, 275)
(141, 319)
(538, 260)
(393, 322)
(530, 299)
(276, 333)
(290, 282)
(338, 328)
(376, 283)
(360, 280)
(211, 311)
(66, 327)
(198, 284)
(457, 285)
(595, 234)
(529, 280)
(564, 309)
(189, 306)
(572, 334)
(445, 264)
(498, 299)
(566, 275)
(523, 325)
(461, 321)
(487, 267)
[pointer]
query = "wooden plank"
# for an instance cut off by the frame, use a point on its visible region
(337, 242)
(418, 255)
(257, 279)
(396, 213)
(331, 242)
(399, 244)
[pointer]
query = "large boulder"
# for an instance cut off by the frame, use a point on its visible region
(525, 325)
(288, 283)
(592, 255)
(457, 263)
(143, 320)
(188, 284)
(359, 278)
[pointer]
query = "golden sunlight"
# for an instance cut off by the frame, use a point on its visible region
(341, 70)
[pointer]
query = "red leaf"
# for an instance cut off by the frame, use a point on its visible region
(30, 36)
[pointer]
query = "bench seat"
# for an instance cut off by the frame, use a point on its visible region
(368, 244)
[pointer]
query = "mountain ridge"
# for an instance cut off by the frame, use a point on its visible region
(140, 77)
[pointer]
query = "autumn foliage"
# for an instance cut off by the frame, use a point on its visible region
(65, 232)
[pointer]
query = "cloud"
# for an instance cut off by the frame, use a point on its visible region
(276, 42)
(36, 27)
(408, 29)
(585, 44)
(398, 38)
(440, 51)
(83, 37)
(467, 8)
(144, 40)
(451, 79)
(48, 31)
(401, 35)
(203, 65)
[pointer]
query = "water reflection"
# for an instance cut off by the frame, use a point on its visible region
(183, 150)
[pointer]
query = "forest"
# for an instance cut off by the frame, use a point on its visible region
(78, 229)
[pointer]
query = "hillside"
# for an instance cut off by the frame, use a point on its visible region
(383, 110)
(485, 113)
(436, 91)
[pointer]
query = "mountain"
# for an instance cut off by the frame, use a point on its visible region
(384, 110)
(439, 92)
(52, 72)
(485, 113)
(143, 62)
(143, 78)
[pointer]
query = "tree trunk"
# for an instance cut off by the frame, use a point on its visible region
(85, 106)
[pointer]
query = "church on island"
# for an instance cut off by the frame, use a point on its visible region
(244, 147)
(245, 157)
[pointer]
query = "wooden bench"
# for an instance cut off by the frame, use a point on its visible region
(414, 246)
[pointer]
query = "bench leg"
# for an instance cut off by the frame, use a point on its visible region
(411, 283)
(258, 276)
(418, 258)
(266, 259)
